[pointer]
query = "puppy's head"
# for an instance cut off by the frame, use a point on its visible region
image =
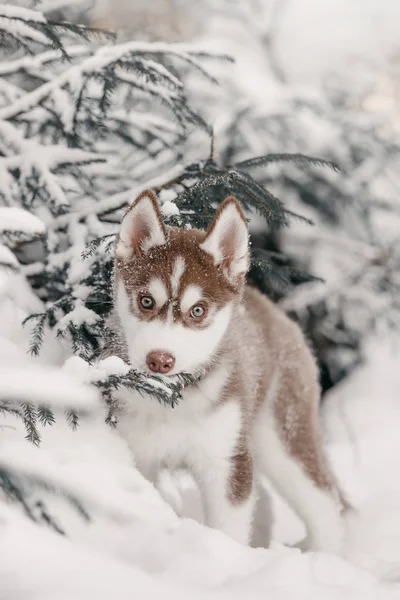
(175, 288)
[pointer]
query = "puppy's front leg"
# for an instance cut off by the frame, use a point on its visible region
(228, 495)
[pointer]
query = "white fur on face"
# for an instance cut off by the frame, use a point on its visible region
(191, 295)
(158, 290)
(178, 271)
(191, 348)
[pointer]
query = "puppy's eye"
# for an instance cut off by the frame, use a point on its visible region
(147, 302)
(197, 311)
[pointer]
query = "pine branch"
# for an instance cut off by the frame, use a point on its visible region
(30, 422)
(37, 332)
(21, 26)
(15, 238)
(166, 390)
(298, 159)
(72, 418)
(19, 485)
(29, 64)
(253, 194)
(93, 246)
(46, 518)
(274, 274)
(216, 182)
(103, 58)
(112, 404)
(45, 415)
(10, 408)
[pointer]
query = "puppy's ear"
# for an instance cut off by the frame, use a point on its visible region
(227, 239)
(141, 228)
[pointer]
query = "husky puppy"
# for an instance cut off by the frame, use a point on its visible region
(181, 305)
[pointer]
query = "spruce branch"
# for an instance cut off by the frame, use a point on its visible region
(45, 415)
(21, 485)
(274, 273)
(166, 390)
(298, 159)
(93, 246)
(97, 62)
(37, 331)
(72, 418)
(30, 421)
(22, 26)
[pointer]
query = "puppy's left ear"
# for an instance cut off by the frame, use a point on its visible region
(227, 239)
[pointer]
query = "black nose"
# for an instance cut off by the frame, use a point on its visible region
(160, 361)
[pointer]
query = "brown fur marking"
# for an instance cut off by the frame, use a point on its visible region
(240, 482)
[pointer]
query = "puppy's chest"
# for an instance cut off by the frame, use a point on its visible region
(181, 436)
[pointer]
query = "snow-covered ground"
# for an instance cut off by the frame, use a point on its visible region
(135, 545)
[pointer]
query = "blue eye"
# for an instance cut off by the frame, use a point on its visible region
(147, 302)
(197, 311)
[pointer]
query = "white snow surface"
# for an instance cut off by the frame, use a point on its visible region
(7, 258)
(18, 219)
(43, 386)
(136, 545)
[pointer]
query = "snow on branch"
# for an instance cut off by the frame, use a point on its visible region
(20, 27)
(7, 259)
(23, 476)
(112, 374)
(84, 104)
(13, 219)
(134, 54)
(34, 165)
(39, 385)
(121, 199)
(11, 11)
(39, 61)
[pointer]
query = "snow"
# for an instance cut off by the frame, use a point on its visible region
(31, 62)
(18, 28)
(20, 12)
(80, 314)
(361, 423)
(44, 386)
(169, 208)
(85, 373)
(7, 258)
(18, 219)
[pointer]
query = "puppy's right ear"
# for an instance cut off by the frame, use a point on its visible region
(141, 228)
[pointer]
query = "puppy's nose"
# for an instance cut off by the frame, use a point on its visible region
(159, 361)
